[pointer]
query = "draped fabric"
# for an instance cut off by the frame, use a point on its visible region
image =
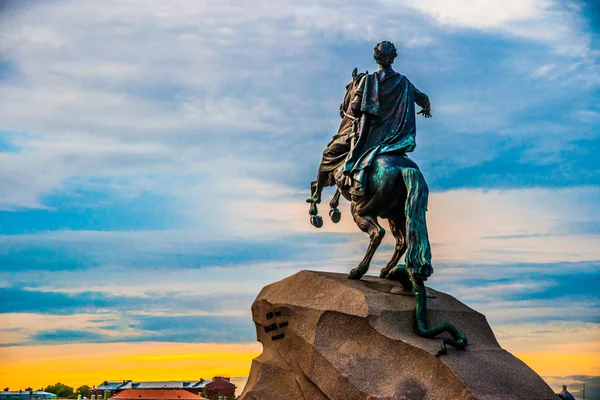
(337, 149)
(335, 155)
(387, 124)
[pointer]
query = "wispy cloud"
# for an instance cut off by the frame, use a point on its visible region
(180, 101)
(155, 155)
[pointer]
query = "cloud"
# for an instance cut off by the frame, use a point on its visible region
(196, 329)
(16, 300)
(92, 210)
(66, 336)
(173, 329)
(125, 327)
(548, 21)
(542, 282)
(528, 166)
(146, 95)
(178, 249)
(184, 306)
(155, 156)
(517, 294)
(495, 226)
(483, 14)
(542, 71)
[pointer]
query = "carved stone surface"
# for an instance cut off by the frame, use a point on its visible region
(328, 337)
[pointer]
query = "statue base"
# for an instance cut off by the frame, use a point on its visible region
(327, 337)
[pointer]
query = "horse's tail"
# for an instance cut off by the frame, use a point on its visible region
(418, 259)
(418, 250)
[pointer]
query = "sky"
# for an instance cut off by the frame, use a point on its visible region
(155, 156)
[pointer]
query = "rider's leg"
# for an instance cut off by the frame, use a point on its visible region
(333, 156)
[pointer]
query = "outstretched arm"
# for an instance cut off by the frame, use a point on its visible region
(422, 100)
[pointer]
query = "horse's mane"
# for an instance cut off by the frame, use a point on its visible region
(347, 121)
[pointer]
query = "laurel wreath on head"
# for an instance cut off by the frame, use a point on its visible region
(385, 53)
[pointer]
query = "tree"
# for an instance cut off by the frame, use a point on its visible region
(61, 391)
(84, 391)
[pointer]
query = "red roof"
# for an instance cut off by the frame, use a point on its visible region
(155, 394)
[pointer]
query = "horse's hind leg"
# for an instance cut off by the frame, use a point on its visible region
(335, 213)
(376, 233)
(398, 229)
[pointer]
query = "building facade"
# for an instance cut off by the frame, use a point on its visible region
(215, 389)
(219, 388)
(25, 394)
(156, 394)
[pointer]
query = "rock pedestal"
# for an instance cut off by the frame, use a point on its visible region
(328, 337)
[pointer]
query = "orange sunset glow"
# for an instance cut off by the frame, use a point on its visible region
(90, 364)
(162, 163)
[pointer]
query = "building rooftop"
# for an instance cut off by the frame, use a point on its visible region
(111, 385)
(170, 385)
(24, 391)
(198, 385)
(159, 385)
(155, 394)
(123, 385)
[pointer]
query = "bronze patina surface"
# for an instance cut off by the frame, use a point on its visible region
(367, 161)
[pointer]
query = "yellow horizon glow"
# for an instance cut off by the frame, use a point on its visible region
(562, 364)
(91, 364)
(566, 360)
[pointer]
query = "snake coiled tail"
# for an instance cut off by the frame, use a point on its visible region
(418, 260)
(458, 341)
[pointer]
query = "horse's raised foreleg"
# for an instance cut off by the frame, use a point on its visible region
(398, 229)
(335, 213)
(315, 219)
(376, 233)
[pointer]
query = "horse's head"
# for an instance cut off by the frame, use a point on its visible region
(350, 89)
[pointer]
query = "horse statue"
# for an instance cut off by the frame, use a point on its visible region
(395, 189)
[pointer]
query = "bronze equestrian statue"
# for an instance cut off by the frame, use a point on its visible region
(367, 162)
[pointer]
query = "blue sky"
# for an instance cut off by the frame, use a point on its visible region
(155, 156)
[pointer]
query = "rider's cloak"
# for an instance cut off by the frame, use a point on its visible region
(387, 124)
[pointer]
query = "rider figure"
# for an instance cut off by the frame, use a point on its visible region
(384, 102)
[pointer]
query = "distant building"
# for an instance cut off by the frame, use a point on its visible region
(156, 394)
(565, 395)
(25, 394)
(217, 388)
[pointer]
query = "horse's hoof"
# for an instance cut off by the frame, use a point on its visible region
(384, 273)
(356, 274)
(335, 215)
(316, 221)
